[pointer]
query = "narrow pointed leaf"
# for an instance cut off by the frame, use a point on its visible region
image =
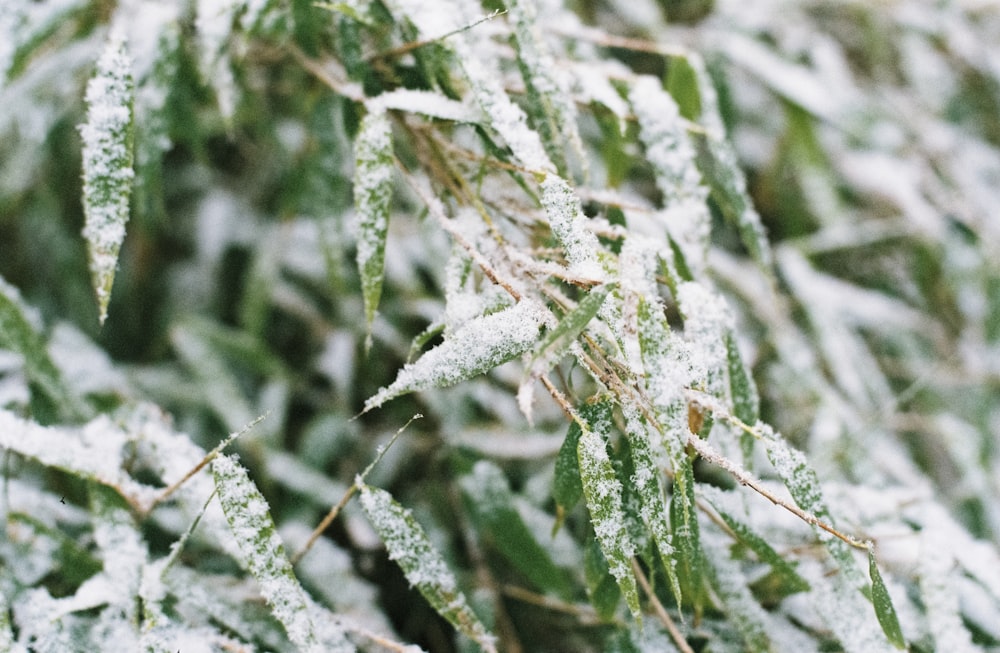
(884, 609)
(648, 485)
(17, 334)
(550, 102)
(804, 486)
(732, 588)
(557, 341)
(373, 169)
(491, 503)
(603, 493)
(422, 564)
(567, 488)
(263, 553)
(477, 347)
(746, 401)
(790, 579)
(723, 172)
(107, 166)
(687, 535)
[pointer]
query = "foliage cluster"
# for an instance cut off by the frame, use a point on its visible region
(697, 302)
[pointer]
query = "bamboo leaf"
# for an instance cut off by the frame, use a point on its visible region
(475, 348)
(262, 551)
(556, 342)
(729, 186)
(107, 165)
(743, 391)
(686, 535)
(373, 161)
(603, 590)
(672, 156)
(884, 609)
(603, 493)
(491, 503)
(18, 334)
(412, 550)
(647, 482)
(804, 486)
(550, 100)
(791, 581)
(732, 588)
(567, 488)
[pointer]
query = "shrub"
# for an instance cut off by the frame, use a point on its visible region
(624, 336)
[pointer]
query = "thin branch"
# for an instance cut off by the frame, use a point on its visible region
(413, 45)
(335, 511)
(435, 208)
(661, 612)
(585, 615)
(744, 477)
(209, 457)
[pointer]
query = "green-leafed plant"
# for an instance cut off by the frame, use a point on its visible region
(698, 303)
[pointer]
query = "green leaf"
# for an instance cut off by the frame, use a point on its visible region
(804, 486)
(373, 174)
(603, 493)
(791, 581)
(491, 504)
(19, 335)
(682, 83)
(557, 341)
(723, 173)
(884, 609)
(107, 165)
(602, 588)
(422, 564)
(262, 551)
(738, 601)
(567, 488)
(646, 481)
(746, 400)
(477, 347)
(550, 101)
(686, 535)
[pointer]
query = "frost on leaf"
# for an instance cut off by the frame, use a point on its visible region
(603, 493)
(568, 224)
(107, 165)
(549, 98)
(262, 550)
(372, 200)
(409, 546)
(729, 182)
(475, 348)
(672, 156)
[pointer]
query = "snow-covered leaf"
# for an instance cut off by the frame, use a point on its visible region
(107, 165)
(373, 169)
(556, 342)
(603, 493)
(19, 334)
(491, 503)
(262, 550)
(477, 347)
(422, 564)
(884, 609)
